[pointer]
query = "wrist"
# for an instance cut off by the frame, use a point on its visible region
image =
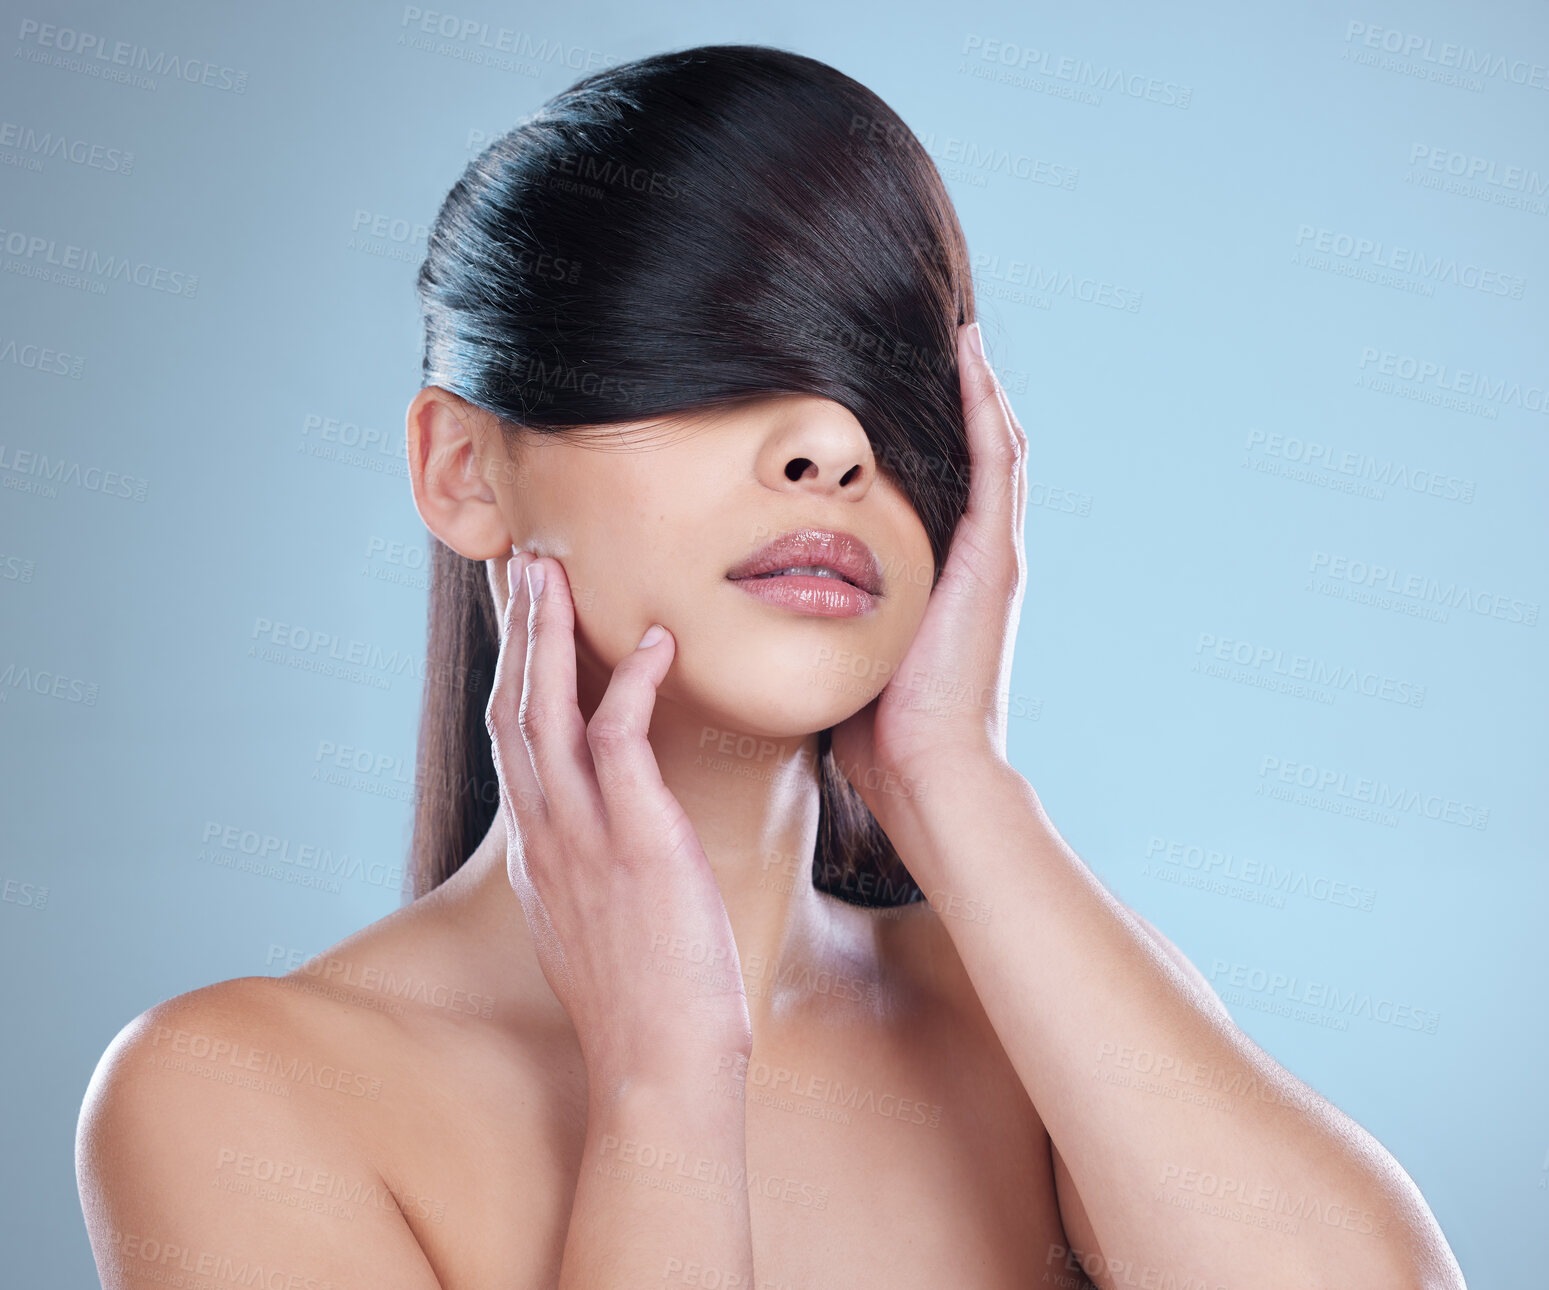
(682, 1075)
(936, 783)
(951, 800)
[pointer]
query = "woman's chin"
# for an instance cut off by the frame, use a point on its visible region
(773, 691)
(788, 713)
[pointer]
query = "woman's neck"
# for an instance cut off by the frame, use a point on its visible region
(753, 803)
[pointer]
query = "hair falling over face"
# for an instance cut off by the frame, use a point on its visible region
(673, 234)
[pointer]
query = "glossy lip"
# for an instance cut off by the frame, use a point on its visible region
(810, 594)
(842, 552)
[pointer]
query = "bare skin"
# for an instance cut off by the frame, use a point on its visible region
(480, 1122)
(875, 1074)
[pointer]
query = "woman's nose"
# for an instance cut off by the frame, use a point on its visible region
(819, 447)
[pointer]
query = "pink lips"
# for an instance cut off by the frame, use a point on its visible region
(855, 591)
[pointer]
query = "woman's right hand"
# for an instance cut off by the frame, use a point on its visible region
(630, 929)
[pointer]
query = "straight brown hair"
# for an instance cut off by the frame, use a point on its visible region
(673, 234)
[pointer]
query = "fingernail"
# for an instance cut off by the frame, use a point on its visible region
(976, 339)
(512, 565)
(535, 579)
(653, 633)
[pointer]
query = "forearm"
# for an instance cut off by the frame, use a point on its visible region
(1071, 982)
(661, 1188)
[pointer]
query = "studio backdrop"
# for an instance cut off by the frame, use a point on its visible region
(1266, 285)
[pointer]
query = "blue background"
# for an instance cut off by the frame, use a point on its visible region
(1167, 513)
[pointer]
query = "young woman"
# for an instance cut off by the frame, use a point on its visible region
(741, 955)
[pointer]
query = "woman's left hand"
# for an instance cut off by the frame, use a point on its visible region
(947, 701)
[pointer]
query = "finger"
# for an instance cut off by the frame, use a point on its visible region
(627, 773)
(513, 764)
(992, 523)
(1021, 473)
(995, 443)
(1017, 433)
(550, 716)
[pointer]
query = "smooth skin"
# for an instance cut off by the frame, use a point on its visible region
(628, 1043)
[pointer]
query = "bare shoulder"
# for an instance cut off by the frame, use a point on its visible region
(324, 1126)
(210, 1138)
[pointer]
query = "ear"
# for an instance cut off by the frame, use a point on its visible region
(456, 453)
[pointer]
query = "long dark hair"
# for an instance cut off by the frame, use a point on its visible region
(673, 234)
